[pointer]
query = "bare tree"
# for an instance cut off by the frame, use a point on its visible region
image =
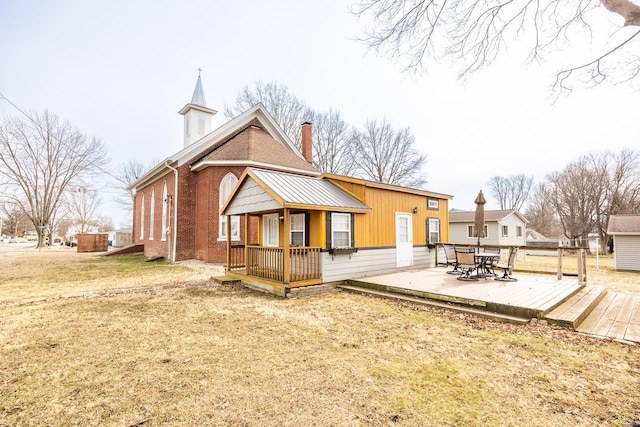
(388, 155)
(541, 213)
(125, 176)
(40, 157)
(104, 224)
(83, 203)
(575, 193)
(12, 218)
(475, 33)
(619, 174)
(511, 192)
(289, 111)
(332, 148)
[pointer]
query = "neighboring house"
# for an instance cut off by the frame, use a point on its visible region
(330, 228)
(625, 231)
(502, 227)
(120, 238)
(177, 203)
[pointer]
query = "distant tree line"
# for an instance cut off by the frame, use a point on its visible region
(578, 200)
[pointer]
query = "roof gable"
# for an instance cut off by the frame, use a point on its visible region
(221, 134)
(624, 224)
(489, 215)
(287, 191)
(255, 145)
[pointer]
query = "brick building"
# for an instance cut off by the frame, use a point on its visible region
(177, 203)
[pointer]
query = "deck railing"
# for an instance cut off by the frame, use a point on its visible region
(268, 262)
(237, 257)
(580, 254)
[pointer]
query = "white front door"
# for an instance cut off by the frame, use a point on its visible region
(404, 240)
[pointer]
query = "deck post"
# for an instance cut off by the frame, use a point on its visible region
(286, 249)
(582, 263)
(560, 253)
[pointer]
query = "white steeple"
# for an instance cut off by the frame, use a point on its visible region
(197, 117)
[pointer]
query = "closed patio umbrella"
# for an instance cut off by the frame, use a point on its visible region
(478, 222)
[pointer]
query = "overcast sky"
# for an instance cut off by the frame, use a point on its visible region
(120, 71)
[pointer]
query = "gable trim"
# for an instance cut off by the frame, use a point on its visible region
(250, 163)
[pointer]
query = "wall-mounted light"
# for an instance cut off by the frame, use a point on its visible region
(281, 218)
(415, 210)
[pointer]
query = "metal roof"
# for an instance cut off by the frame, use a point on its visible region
(307, 191)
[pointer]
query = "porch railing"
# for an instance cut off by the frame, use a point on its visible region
(268, 262)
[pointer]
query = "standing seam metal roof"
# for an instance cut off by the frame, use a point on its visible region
(305, 190)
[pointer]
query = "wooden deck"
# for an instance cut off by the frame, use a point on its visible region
(587, 309)
(529, 297)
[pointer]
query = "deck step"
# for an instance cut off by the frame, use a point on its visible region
(432, 303)
(574, 310)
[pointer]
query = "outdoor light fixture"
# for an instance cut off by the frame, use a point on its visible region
(415, 210)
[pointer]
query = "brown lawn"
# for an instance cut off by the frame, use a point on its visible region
(105, 341)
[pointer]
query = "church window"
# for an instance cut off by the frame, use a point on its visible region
(165, 203)
(152, 211)
(226, 187)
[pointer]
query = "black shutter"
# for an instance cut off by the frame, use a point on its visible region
(428, 234)
(306, 228)
(328, 214)
(353, 237)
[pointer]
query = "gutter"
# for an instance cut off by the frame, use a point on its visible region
(174, 227)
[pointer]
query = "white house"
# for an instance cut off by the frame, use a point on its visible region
(502, 227)
(625, 231)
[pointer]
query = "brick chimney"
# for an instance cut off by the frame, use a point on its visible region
(307, 145)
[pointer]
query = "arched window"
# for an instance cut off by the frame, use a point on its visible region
(165, 204)
(142, 218)
(152, 211)
(226, 187)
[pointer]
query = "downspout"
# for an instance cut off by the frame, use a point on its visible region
(174, 227)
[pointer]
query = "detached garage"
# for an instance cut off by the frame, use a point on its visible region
(625, 231)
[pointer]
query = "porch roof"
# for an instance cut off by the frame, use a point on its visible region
(262, 190)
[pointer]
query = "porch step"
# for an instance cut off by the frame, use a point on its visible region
(574, 310)
(432, 303)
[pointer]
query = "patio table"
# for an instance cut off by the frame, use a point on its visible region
(485, 260)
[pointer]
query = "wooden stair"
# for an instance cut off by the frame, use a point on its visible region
(575, 309)
(433, 303)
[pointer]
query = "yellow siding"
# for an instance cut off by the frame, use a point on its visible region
(377, 228)
(317, 222)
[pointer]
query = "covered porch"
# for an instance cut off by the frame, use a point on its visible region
(275, 269)
(288, 215)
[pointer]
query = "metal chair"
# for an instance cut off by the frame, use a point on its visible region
(467, 263)
(452, 260)
(508, 267)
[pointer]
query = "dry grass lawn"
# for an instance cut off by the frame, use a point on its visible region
(97, 341)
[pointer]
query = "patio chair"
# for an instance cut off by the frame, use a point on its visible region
(467, 263)
(508, 267)
(452, 260)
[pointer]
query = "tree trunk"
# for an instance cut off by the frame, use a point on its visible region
(625, 8)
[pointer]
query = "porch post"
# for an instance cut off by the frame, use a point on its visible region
(286, 249)
(228, 243)
(246, 244)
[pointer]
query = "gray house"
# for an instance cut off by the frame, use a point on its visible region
(502, 227)
(625, 231)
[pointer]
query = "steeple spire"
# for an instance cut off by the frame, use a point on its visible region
(198, 92)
